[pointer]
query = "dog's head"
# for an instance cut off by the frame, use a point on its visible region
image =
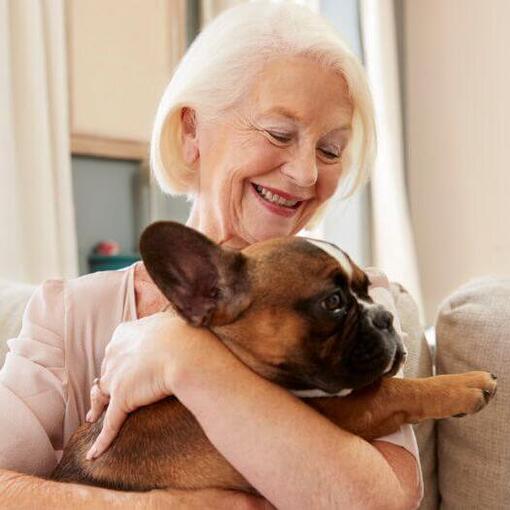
(295, 310)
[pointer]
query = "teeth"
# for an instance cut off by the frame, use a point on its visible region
(273, 197)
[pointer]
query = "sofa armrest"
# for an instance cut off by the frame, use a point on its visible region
(473, 333)
(419, 364)
(419, 358)
(13, 300)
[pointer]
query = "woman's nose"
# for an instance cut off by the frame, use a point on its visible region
(302, 170)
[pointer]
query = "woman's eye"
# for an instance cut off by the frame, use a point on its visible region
(279, 137)
(332, 303)
(329, 154)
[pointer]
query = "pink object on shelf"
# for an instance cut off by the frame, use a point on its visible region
(107, 248)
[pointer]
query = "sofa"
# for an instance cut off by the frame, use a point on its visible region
(465, 461)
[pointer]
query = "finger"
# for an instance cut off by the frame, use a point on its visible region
(98, 401)
(113, 420)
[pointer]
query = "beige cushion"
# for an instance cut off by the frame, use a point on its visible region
(13, 300)
(473, 333)
(419, 364)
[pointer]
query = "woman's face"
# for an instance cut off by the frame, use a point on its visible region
(267, 166)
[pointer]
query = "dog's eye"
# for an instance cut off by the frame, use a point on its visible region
(333, 303)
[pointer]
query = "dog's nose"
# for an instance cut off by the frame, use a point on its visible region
(382, 320)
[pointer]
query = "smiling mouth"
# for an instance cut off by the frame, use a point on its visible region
(273, 198)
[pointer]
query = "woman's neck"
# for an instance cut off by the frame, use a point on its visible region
(148, 298)
(208, 225)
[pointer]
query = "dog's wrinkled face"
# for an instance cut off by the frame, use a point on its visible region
(311, 323)
(295, 310)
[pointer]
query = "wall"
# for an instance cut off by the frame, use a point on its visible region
(121, 55)
(457, 75)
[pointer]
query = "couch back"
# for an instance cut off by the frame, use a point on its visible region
(473, 333)
(13, 300)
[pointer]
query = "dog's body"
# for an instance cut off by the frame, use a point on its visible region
(298, 313)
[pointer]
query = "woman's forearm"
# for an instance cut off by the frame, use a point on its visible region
(19, 491)
(293, 456)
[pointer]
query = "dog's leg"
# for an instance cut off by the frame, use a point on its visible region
(381, 409)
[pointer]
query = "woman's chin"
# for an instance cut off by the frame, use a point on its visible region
(264, 231)
(260, 223)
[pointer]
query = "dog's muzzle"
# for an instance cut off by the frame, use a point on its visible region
(377, 349)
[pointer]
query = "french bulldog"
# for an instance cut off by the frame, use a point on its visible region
(298, 312)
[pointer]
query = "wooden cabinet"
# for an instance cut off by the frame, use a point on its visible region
(121, 54)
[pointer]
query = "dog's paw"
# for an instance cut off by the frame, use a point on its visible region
(472, 392)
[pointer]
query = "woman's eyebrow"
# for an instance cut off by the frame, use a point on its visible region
(343, 129)
(292, 115)
(282, 110)
(285, 112)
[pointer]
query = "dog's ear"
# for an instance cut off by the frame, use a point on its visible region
(207, 284)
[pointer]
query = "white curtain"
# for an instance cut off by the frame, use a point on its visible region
(209, 9)
(392, 235)
(37, 228)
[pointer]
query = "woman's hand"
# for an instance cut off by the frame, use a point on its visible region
(135, 370)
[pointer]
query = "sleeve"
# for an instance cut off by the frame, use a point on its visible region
(32, 385)
(381, 294)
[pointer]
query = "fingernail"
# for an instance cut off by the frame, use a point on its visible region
(91, 453)
(88, 417)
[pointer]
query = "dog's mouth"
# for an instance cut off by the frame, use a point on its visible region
(395, 363)
(335, 389)
(358, 369)
(384, 364)
(334, 381)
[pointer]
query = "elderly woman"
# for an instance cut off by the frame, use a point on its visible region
(266, 114)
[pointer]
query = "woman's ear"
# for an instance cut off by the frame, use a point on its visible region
(189, 136)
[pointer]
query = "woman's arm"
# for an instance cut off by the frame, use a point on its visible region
(20, 492)
(32, 386)
(293, 456)
(32, 405)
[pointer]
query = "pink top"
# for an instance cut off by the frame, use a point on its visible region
(47, 375)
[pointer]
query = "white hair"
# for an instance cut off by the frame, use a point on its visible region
(221, 65)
